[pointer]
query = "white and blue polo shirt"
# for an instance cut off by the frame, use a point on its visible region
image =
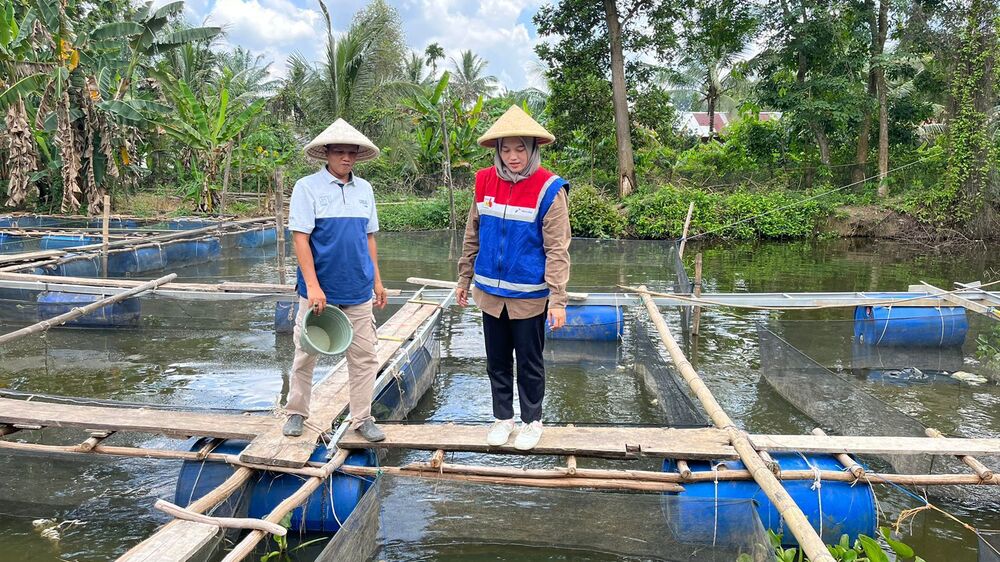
(338, 218)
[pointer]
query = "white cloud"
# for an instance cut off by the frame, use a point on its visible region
(497, 30)
(265, 24)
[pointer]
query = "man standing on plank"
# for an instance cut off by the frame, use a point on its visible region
(333, 221)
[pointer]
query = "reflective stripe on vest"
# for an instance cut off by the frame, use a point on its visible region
(511, 212)
(520, 287)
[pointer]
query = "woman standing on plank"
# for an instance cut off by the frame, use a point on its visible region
(516, 250)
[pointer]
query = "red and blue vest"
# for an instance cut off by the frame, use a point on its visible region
(511, 260)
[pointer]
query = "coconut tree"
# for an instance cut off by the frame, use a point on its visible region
(432, 54)
(469, 80)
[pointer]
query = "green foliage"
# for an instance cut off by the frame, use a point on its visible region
(424, 214)
(282, 552)
(594, 214)
(988, 350)
(742, 214)
(864, 549)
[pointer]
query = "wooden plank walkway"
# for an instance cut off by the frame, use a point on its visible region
(629, 442)
(330, 396)
(604, 442)
(171, 423)
(876, 445)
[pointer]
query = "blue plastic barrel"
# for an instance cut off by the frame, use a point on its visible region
(916, 326)
(841, 507)
(149, 259)
(10, 243)
(257, 238)
(84, 267)
(59, 241)
(180, 253)
(121, 314)
(208, 249)
(591, 322)
(188, 224)
(323, 512)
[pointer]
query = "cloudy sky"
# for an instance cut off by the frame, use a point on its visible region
(500, 31)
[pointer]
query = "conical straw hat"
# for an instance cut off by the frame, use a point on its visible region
(515, 123)
(341, 132)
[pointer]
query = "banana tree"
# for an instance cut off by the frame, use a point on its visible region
(207, 128)
(71, 117)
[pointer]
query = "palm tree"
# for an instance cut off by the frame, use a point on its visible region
(415, 70)
(469, 81)
(292, 101)
(433, 53)
(246, 76)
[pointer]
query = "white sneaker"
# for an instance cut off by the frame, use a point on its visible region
(528, 436)
(499, 432)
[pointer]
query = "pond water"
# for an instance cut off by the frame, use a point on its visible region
(227, 356)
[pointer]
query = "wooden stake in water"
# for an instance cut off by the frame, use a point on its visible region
(687, 224)
(225, 179)
(279, 221)
(104, 235)
(697, 293)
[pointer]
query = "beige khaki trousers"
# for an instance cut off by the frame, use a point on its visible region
(362, 364)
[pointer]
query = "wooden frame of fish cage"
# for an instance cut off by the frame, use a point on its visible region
(180, 538)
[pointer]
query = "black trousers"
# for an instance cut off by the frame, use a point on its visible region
(526, 338)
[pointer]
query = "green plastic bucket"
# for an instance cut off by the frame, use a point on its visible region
(329, 333)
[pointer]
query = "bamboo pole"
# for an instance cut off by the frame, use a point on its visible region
(565, 482)
(797, 522)
(279, 221)
(95, 439)
(225, 522)
(246, 546)
(684, 470)
(225, 179)
(80, 311)
(684, 235)
(104, 235)
(982, 470)
(845, 460)
(697, 293)
(452, 284)
(437, 459)
(213, 498)
(315, 469)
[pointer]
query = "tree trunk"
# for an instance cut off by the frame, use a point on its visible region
(824, 144)
(626, 164)
(860, 170)
(883, 104)
(711, 97)
(447, 169)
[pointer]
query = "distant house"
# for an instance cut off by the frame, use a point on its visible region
(696, 122)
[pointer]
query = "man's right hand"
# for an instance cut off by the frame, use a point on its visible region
(316, 298)
(462, 296)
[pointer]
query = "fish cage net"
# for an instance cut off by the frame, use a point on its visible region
(660, 377)
(842, 405)
(402, 518)
(989, 546)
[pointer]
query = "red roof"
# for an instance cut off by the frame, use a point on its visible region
(701, 118)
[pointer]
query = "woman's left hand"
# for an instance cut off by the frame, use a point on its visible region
(381, 296)
(557, 318)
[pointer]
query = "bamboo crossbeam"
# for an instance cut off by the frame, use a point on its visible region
(987, 311)
(452, 284)
(183, 514)
(684, 470)
(844, 459)
(809, 540)
(80, 311)
(182, 539)
(95, 439)
(564, 482)
(981, 469)
(699, 476)
(246, 546)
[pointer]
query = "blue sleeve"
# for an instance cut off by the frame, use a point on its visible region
(301, 213)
